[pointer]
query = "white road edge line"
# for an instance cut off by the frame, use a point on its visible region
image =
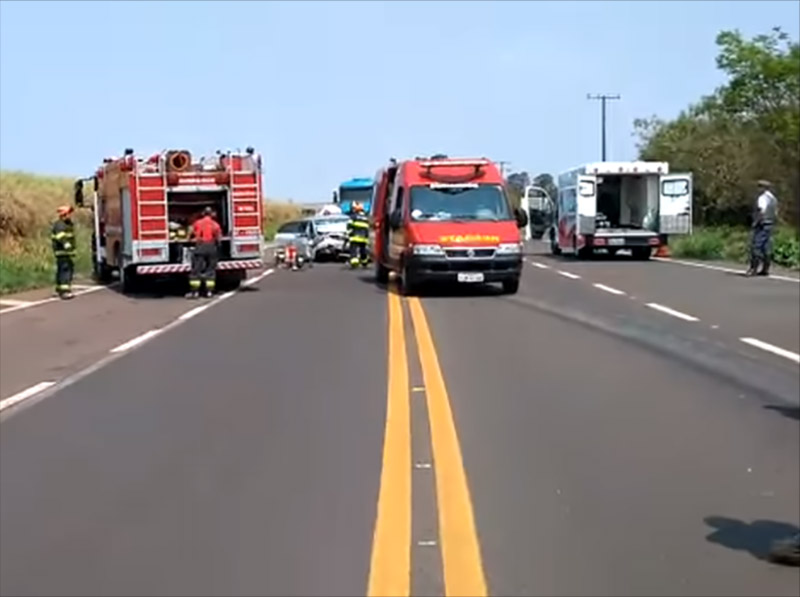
(52, 299)
(608, 289)
(25, 394)
(13, 303)
(672, 312)
(259, 277)
(114, 353)
(567, 275)
(721, 269)
(540, 265)
(192, 312)
(782, 352)
(136, 341)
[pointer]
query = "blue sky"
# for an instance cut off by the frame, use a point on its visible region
(330, 90)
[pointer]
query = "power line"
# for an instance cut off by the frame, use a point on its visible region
(603, 97)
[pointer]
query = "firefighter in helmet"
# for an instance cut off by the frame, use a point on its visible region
(62, 236)
(207, 234)
(358, 235)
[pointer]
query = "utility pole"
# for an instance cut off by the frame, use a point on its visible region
(603, 97)
(503, 165)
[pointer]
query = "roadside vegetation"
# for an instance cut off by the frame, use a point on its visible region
(747, 129)
(28, 205)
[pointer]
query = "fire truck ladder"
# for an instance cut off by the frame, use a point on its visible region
(162, 234)
(243, 192)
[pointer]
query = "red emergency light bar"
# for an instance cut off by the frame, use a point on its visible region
(453, 163)
(478, 172)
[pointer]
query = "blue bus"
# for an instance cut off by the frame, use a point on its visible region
(355, 189)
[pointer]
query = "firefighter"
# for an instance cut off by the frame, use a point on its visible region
(358, 235)
(63, 237)
(206, 233)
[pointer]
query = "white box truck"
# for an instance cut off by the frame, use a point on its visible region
(615, 206)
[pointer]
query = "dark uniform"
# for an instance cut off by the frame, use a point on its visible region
(358, 235)
(764, 219)
(63, 238)
(206, 233)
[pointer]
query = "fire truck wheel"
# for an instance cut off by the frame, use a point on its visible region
(129, 279)
(230, 280)
(102, 273)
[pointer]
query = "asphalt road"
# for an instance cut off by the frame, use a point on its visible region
(320, 435)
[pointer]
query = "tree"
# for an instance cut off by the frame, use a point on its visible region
(515, 186)
(545, 180)
(747, 129)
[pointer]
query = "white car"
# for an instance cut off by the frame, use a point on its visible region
(301, 233)
(331, 235)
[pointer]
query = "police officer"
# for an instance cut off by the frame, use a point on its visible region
(764, 219)
(206, 234)
(358, 235)
(63, 238)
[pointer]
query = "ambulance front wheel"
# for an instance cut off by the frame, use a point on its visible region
(381, 273)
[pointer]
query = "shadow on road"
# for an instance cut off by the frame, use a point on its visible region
(440, 290)
(755, 537)
(790, 412)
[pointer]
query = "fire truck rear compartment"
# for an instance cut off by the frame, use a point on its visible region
(184, 208)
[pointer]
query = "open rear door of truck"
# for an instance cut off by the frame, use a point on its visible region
(675, 203)
(587, 204)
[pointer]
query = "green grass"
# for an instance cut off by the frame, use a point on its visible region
(733, 244)
(29, 263)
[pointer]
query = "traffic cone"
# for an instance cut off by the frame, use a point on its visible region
(663, 251)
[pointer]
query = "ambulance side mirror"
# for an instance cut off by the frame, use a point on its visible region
(78, 187)
(521, 217)
(396, 219)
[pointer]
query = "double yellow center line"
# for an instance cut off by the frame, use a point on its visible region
(390, 566)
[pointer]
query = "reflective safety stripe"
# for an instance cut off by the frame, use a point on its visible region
(210, 284)
(60, 253)
(194, 284)
(361, 240)
(62, 286)
(354, 261)
(359, 224)
(63, 234)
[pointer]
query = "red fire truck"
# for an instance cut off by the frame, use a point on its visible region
(144, 209)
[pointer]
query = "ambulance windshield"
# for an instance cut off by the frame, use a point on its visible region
(476, 202)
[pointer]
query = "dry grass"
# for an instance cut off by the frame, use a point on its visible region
(277, 213)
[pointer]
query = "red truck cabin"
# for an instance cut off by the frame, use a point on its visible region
(446, 220)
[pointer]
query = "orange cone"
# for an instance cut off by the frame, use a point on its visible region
(663, 251)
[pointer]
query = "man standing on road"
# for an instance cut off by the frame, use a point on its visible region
(63, 238)
(764, 218)
(358, 229)
(206, 234)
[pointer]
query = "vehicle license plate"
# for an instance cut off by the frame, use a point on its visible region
(469, 277)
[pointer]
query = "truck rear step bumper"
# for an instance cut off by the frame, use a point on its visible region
(185, 268)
